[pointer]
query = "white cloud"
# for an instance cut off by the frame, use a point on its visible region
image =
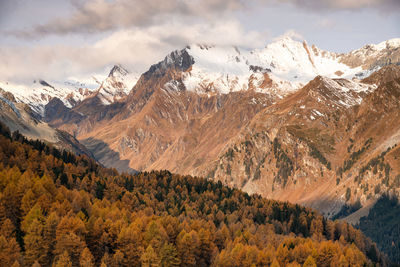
(136, 49)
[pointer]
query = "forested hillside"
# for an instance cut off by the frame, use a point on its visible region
(383, 225)
(58, 209)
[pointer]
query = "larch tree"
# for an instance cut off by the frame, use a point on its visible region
(9, 251)
(34, 243)
(150, 258)
(130, 243)
(86, 259)
(310, 262)
(7, 229)
(63, 260)
(169, 256)
(72, 244)
(49, 236)
(187, 247)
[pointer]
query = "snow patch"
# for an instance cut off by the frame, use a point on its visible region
(318, 113)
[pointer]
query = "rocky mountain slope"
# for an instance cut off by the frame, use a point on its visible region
(289, 121)
(332, 142)
(19, 117)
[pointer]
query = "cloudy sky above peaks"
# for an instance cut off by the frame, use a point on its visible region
(74, 39)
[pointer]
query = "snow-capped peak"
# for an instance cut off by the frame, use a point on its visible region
(288, 63)
(391, 43)
(279, 68)
(117, 85)
(39, 93)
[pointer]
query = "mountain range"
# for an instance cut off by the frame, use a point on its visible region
(288, 121)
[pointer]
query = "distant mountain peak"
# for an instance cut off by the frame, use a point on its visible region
(178, 59)
(391, 43)
(117, 85)
(118, 70)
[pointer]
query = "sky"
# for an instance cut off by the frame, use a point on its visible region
(59, 40)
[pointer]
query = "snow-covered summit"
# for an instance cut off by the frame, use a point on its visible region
(391, 43)
(71, 92)
(288, 63)
(40, 92)
(117, 85)
(373, 56)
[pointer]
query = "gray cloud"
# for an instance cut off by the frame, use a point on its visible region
(93, 16)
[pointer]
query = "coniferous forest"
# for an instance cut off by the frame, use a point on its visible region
(59, 209)
(383, 225)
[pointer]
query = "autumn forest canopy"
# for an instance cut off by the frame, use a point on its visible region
(60, 209)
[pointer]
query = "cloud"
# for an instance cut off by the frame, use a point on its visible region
(139, 33)
(93, 16)
(135, 48)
